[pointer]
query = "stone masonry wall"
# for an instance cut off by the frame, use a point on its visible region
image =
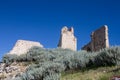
(67, 39)
(99, 40)
(23, 46)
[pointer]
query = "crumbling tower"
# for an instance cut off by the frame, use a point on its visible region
(67, 39)
(99, 39)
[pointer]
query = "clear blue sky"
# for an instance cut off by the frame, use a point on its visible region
(42, 20)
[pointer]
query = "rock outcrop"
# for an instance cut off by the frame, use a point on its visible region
(23, 46)
(67, 39)
(99, 40)
(11, 71)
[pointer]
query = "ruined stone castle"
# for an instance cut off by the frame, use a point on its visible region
(99, 39)
(67, 39)
(23, 46)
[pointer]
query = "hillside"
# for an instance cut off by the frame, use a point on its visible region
(102, 73)
(61, 64)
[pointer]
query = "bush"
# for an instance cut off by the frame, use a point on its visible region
(49, 63)
(9, 58)
(108, 57)
(43, 71)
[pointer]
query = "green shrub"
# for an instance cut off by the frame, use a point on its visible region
(43, 71)
(48, 63)
(9, 58)
(108, 57)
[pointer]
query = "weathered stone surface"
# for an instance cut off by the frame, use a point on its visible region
(67, 39)
(11, 71)
(99, 40)
(23, 46)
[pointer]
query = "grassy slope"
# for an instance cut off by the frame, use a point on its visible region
(103, 73)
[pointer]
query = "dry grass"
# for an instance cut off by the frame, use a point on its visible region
(103, 73)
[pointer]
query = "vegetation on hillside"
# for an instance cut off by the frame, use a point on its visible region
(101, 73)
(47, 64)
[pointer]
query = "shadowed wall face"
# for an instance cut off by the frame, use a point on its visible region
(99, 40)
(67, 39)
